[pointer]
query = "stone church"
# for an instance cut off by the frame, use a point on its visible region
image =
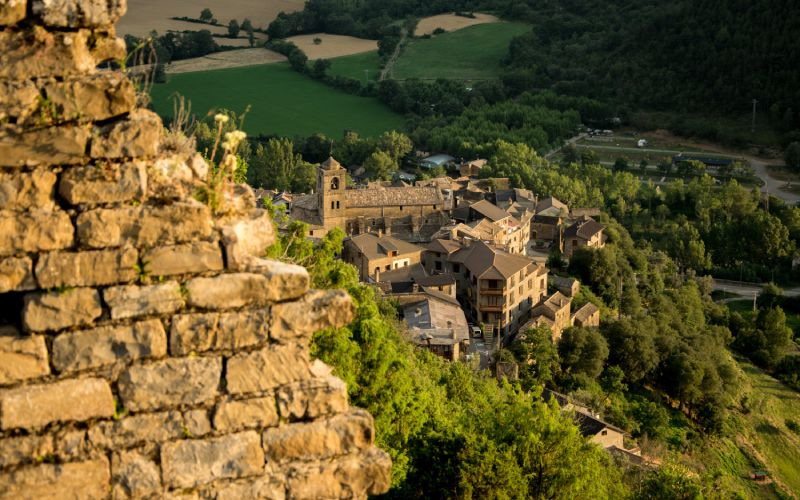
(408, 212)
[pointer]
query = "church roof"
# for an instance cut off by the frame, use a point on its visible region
(331, 164)
(393, 196)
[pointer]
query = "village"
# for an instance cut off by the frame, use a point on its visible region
(465, 260)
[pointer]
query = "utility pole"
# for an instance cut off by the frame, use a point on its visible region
(753, 126)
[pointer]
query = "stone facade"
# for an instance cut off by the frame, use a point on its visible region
(146, 348)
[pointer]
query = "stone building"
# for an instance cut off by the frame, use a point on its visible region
(411, 213)
(436, 322)
(146, 350)
(553, 312)
(584, 232)
(496, 288)
(587, 316)
(373, 253)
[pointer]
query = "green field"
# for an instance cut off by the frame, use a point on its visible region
(281, 102)
(354, 66)
(471, 53)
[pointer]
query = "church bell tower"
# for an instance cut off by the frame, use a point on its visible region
(331, 180)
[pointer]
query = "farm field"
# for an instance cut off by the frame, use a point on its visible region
(472, 53)
(144, 16)
(225, 59)
(451, 22)
(281, 102)
(354, 66)
(332, 45)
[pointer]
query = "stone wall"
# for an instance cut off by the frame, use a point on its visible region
(146, 350)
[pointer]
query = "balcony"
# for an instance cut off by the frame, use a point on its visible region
(485, 308)
(492, 291)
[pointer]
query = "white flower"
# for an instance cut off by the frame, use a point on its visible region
(232, 139)
(220, 118)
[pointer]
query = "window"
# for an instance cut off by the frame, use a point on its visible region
(405, 263)
(574, 243)
(333, 204)
(605, 432)
(337, 204)
(388, 267)
(335, 183)
(492, 284)
(434, 207)
(437, 265)
(456, 268)
(401, 208)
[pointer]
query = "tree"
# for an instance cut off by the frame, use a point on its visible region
(380, 165)
(247, 25)
(320, 67)
(621, 165)
(792, 156)
(206, 15)
(583, 351)
(298, 60)
(395, 144)
(536, 356)
(233, 28)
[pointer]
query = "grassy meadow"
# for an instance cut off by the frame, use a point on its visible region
(281, 101)
(353, 66)
(471, 53)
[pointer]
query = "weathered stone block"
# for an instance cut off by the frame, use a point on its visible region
(107, 47)
(170, 383)
(137, 136)
(130, 301)
(107, 345)
(196, 423)
(58, 310)
(266, 369)
(64, 145)
(85, 480)
(18, 100)
(93, 268)
(257, 413)
(352, 476)
(145, 226)
(25, 449)
(272, 487)
(22, 358)
(137, 430)
(109, 183)
(36, 53)
(34, 231)
(215, 331)
(16, 274)
(189, 258)
(312, 399)
(286, 281)
(134, 475)
(282, 282)
(23, 191)
(34, 406)
(171, 178)
(91, 98)
(11, 12)
(246, 237)
(189, 463)
(335, 436)
(70, 444)
(299, 320)
(78, 13)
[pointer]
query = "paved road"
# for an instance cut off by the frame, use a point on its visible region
(746, 290)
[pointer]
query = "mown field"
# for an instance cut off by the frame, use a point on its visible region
(281, 102)
(362, 67)
(471, 53)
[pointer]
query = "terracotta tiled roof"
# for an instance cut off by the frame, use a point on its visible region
(584, 229)
(306, 201)
(444, 246)
(378, 247)
(486, 262)
(394, 196)
(585, 312)
(489, 210)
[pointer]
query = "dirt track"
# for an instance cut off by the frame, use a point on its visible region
(332, 45)
(451, 22)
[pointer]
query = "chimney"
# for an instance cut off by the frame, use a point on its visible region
(378, 275)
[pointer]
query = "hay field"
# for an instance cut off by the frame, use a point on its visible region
(451, 22)
(332, 45)
(281, 101)
(226, 59)
(144, 16)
